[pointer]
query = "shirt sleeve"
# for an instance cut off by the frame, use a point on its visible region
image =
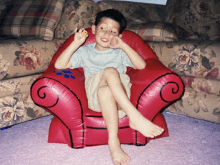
(76, 58)
(126, 60)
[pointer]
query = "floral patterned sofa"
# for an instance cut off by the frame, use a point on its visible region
(184, 34)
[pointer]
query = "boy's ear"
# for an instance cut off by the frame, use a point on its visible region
(93, 29)
(120, 36)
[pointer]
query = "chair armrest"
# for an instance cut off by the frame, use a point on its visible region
(154, 68)
(154, 88)
(62, 93)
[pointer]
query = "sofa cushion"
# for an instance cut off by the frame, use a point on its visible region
(198, 105)
(31, 18)
(21, 58)
(136, 12)
(18, 85)
(16, 105)
(196, 59)
(199, 17)
(154, 31)
(76, 14)
(199, 84)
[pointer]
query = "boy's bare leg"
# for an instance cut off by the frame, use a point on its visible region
(110, 115)
(138, 122)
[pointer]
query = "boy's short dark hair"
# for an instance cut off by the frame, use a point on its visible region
(113, 14)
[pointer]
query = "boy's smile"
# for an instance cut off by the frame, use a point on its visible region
(104, 32)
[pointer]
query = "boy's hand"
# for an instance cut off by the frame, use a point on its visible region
(116, 43)
(80, 36)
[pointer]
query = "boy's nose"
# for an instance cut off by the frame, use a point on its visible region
(107, 32)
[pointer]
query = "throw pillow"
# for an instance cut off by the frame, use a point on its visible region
(76, 14)
(199, 17)
(31, 19)
(3, 4)
(154, 31)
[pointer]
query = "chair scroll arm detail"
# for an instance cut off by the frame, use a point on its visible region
(156, 86)
(153, 89)
(65, 99)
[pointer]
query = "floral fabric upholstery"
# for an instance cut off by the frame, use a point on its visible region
(20, 64)
(77, 14)
(198, 84)
(21, 58)
(184, 34)
(199, 17)
(198, 65)
(197, 59)
(16, 105)
(199, 105)
(31, 19)
(82, 13)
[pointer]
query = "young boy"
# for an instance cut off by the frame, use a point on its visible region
(104, 64)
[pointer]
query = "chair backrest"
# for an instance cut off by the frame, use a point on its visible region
(129, 37)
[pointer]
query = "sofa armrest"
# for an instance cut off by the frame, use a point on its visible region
(154, 88)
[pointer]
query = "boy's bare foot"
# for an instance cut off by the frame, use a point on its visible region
(119, 157)
(144, 126)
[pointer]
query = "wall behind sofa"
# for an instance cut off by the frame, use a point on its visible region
(162, 2)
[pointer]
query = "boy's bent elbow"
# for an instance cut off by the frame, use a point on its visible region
(142, 66)
(60, 65)
(57, 66)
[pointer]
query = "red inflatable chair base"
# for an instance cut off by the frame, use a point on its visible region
(62, 93)
(95, 135)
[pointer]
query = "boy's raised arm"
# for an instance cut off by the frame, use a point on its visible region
(63, 61)
(136, 59)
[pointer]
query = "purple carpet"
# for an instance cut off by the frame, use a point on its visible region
(191, 142)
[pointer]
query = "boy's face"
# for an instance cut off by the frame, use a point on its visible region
(104, 32)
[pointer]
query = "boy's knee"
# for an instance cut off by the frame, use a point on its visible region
(110, 70)
(104, 91)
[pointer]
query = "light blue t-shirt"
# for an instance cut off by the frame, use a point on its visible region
(92, 60)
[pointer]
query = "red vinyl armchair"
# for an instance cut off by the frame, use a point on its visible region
(62, 93)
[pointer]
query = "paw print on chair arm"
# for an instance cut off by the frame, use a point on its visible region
(66, 73)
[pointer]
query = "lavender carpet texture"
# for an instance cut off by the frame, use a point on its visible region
(191, 142)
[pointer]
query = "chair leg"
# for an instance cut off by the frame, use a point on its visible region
(58, 133)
